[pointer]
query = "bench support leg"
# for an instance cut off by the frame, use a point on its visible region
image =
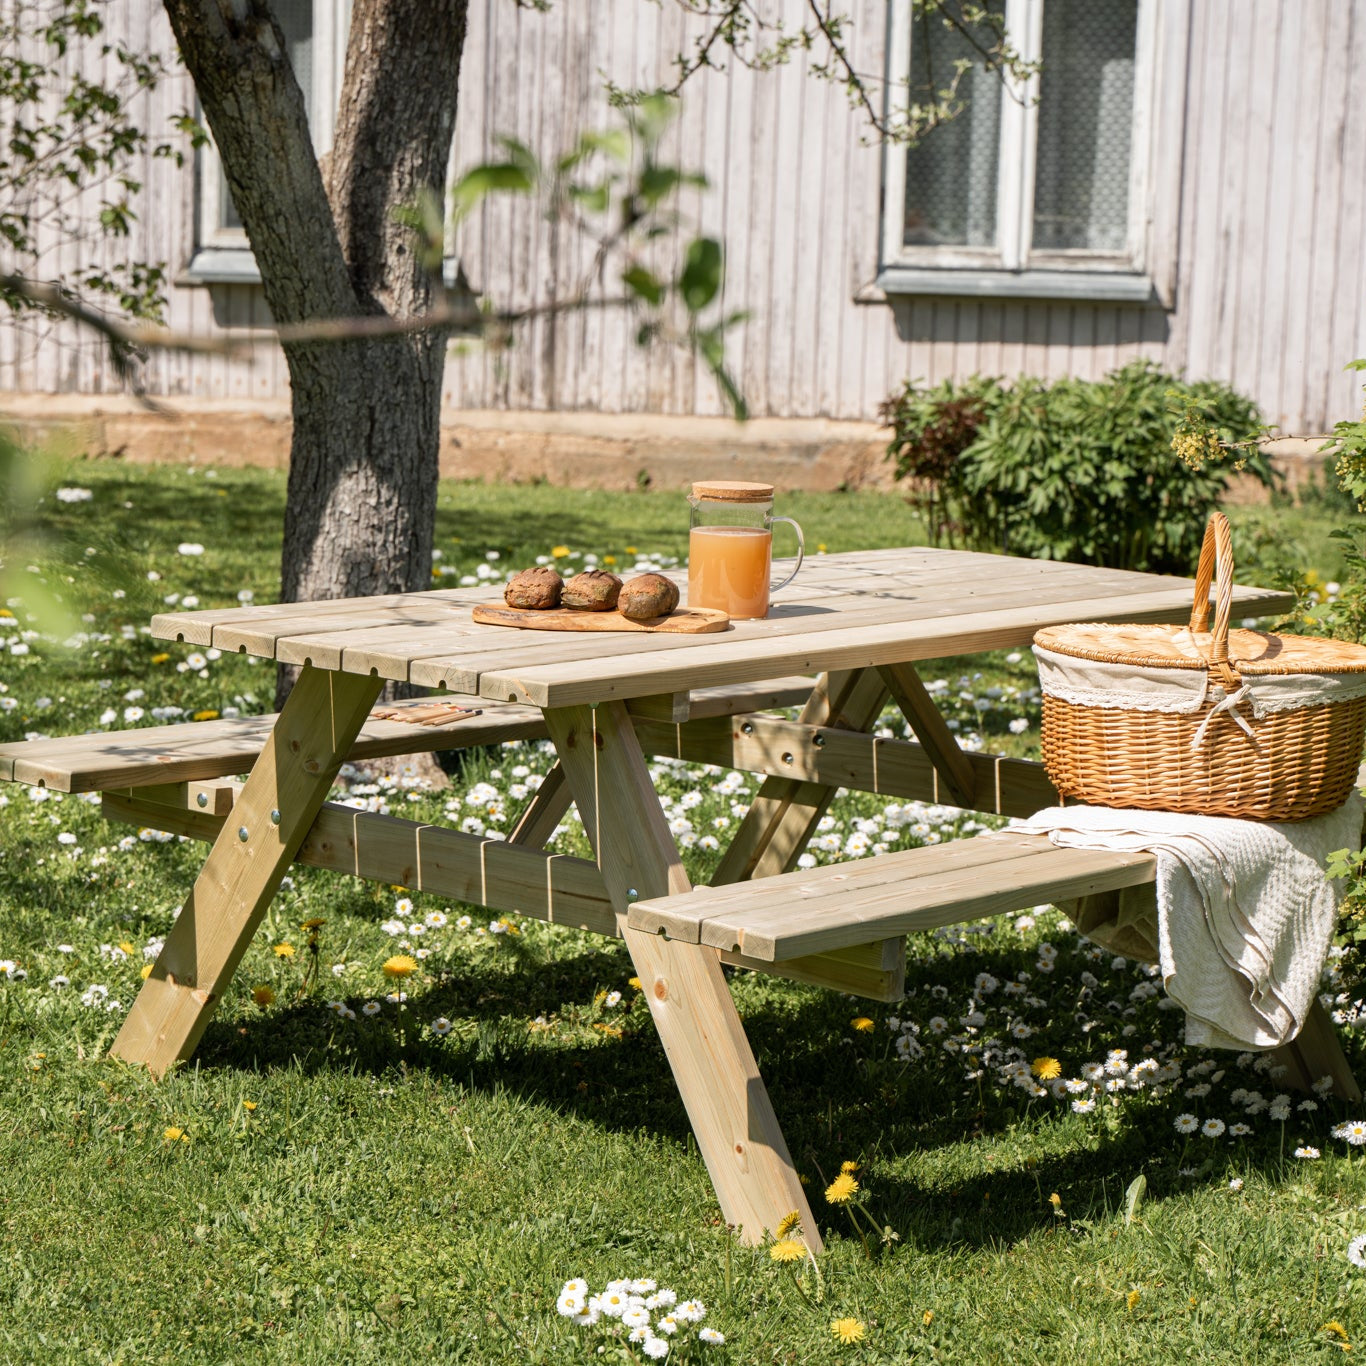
(276, 807)
(1317, 1052)
(786, 811)
(546, 809)
(704, 1040)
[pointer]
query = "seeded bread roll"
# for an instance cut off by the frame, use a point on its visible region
(538, 589)
(595, 590)
(648, 596)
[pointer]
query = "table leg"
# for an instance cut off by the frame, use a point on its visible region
(714, 1068)
(786, 811)
(270, 818)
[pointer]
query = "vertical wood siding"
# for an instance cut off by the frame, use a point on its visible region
(1262, 256)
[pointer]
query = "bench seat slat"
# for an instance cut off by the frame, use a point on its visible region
(195, 751)
(843, 904)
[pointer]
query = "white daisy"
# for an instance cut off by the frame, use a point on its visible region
(1083, 1107)
(655, 1348)
(441, 1026)
(691, 1311)
(1186, 1124)
(371, 1008)
(1212, 1128)
(1235, 1183)
(715, 1339)
(570, 1305)
(1356, 1250)
(636, 1318)
(612, 1303)
(667, 1325)
(1307, 1152)
(1353, 1130)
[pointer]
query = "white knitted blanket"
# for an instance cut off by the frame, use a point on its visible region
(1242, 919)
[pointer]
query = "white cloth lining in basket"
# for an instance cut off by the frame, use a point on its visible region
(1089, 683)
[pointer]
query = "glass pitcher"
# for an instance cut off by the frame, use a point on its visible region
(730, 547)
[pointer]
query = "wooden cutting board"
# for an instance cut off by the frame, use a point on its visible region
(681, 621)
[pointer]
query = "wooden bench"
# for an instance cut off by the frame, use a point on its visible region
(196, 751)
(841, 906)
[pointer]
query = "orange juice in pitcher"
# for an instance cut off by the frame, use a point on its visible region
(730, 547)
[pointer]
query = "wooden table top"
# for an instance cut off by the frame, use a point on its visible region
(851, 610)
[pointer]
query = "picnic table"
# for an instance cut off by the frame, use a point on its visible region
(853, 626)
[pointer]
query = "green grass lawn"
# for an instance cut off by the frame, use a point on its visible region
(341, 1176)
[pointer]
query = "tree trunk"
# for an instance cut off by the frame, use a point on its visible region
(361, 499)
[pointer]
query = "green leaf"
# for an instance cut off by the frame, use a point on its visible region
(594, 198)
(643, 283)
(485, 180)
(700, 280)
(1133, 1197)
(652, 115)
(657, 181)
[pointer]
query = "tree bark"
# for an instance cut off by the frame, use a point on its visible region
(361, 501)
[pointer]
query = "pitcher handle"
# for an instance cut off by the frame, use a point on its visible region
(801, 553)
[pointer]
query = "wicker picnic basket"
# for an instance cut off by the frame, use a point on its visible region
(1222, 723)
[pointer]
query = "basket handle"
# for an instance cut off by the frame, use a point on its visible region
(1216, 563)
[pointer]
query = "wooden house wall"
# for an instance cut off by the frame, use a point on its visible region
(1265, 251)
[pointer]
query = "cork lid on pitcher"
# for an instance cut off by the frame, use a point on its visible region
(733, 491)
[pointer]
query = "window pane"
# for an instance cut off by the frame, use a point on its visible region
(295, 18)
(1086, 120)
(951, 175)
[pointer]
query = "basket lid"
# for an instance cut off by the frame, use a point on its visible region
(1177, 647)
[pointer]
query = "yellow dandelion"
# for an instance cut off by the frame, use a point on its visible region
(841, 1190)
(848, 1330)
(609, 559)
(927, 1317)
(5, 612)
(161, 658)
(126, 946)
(631, 550)
(1056, 1201)
(263, 996)
(1333, 1326)
(146, 971)
(558, 552)
(788, 1250)
(400, 965)
(248, 1104)
(284, 950)
(850, 1168)
(787, 1224)
(1131, 1299)
(315, 922)
(634, 984)
(862, 1023)
(1046, 1068)
(208, 714)
(175, 1135)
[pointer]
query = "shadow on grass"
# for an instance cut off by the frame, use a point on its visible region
(837, 1096)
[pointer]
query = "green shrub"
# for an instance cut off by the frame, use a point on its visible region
(1074, 470)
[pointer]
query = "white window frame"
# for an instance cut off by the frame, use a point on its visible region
(1012, 269)
(222, 255)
